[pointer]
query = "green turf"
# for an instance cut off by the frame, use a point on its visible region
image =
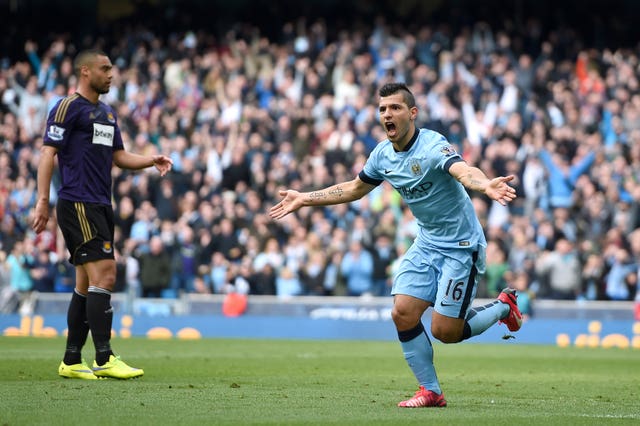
(237, 382)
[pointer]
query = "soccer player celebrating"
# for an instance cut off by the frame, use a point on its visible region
(84, 133)
(442, 266)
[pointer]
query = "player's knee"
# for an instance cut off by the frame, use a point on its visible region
(102, 274)
(106, 281)
(403, 319)
(109, 283)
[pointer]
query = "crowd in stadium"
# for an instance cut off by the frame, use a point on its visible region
(243, 116)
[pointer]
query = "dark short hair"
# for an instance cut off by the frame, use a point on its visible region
(393, 88)
(84, 57)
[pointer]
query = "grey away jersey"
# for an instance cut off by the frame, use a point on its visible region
(438, 201)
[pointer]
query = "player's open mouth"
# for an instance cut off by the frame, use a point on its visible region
(391, 128)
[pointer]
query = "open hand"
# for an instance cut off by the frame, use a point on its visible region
(162, 163)
(291, 202)
(499, 190)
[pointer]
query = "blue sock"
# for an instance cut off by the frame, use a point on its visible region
(480, 318)
(418, 352)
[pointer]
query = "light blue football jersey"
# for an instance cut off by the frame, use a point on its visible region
(420, 174)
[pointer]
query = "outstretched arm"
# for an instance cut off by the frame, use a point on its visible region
(336, 194)
(474, 179)
(129, 160)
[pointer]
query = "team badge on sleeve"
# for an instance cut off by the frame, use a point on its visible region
(55, 133)
(448, 150)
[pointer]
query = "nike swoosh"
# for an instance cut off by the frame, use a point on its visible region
(386, 172)
(446, 304)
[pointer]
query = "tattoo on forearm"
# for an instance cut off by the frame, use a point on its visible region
(316, 195)
(320, 195)
(472, 182)
(337, 191)
(475, 183)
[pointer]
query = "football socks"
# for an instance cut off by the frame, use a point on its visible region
(78, 328)
(481, 318)
(100, 315)
(418, 352)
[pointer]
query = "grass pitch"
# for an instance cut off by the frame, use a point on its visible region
(240, 382)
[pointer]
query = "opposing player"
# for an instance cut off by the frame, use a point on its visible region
(83, 132)
(442, 266)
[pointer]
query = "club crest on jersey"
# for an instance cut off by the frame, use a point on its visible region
(111, 118)
(448, 150)
(106, 247)
(55, 133)
(416, 168)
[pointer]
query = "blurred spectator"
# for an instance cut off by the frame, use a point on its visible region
(43, 272)
(271, 255)
(496, 268)
(561, 271)
(263, 281)
(563, 173)
(334, 284)
(184, 267)
(7, 295)
(225, 240)
(19, 262)
(383, 253)
(65, 280)
(357, 269)
(593, 281)
(313, 274)
(218, 272)
(155, 269)
(287, 284)
(619, 282)
(31, 108)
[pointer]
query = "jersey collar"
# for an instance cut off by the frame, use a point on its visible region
(413, 139)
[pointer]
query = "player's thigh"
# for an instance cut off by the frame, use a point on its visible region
(417, 274)
(82, 280)
(457, 282)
